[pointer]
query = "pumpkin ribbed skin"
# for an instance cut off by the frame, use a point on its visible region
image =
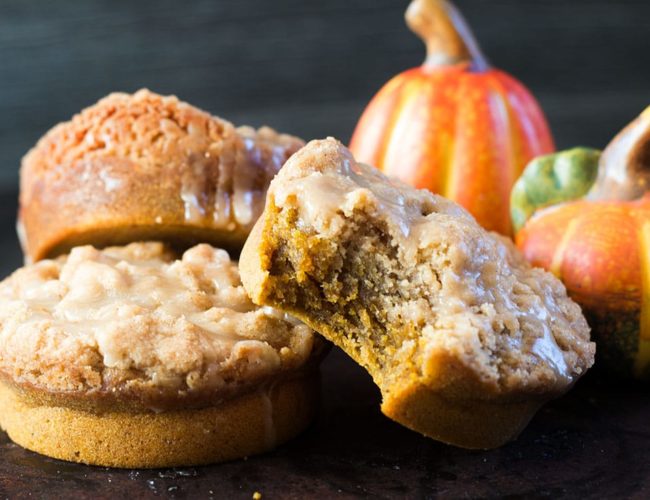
(461, 133)
(594, 247)
(601, 251)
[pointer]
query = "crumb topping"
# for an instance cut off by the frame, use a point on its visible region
(408, 282)
(136, 319)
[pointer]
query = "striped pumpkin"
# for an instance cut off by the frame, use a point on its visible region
(454, 125)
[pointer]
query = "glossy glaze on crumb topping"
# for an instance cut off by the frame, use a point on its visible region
(411, 279)
(135, 319)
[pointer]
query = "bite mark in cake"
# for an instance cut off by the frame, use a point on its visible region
(464, 338)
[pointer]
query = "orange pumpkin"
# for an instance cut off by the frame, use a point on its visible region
(599, 245)
(455, 125)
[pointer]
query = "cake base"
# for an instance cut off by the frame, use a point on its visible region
(250, 424)
(472, 424)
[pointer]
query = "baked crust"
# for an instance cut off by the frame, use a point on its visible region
(250, 424)
(464, 338)
(145, 167)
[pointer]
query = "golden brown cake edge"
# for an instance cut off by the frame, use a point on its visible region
(250, 424)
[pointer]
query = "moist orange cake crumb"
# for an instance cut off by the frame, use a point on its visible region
(464, 338)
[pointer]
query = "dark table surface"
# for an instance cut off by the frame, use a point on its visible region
(593, 442)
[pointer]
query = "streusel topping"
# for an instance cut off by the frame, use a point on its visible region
(134, 319)
(413, 279)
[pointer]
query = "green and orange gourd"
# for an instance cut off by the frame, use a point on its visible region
(454, 125)
(586, 218)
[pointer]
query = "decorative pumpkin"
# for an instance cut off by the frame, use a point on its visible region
(597, 238)
(455, 125)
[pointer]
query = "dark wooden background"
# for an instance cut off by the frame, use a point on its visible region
(304, 66)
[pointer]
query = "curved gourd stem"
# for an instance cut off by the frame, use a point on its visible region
(446, 34)
(624, 169)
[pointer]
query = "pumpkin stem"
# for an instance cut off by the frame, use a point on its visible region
(446, 34)
(624, 169)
